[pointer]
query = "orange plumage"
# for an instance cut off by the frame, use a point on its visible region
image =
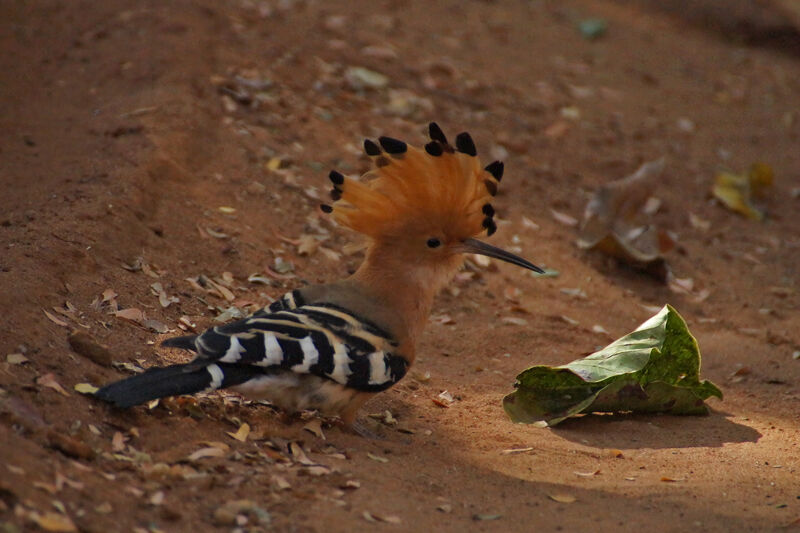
(435, 190)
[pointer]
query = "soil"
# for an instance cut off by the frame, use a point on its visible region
(126, 126)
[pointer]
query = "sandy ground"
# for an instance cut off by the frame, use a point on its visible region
(126, 126)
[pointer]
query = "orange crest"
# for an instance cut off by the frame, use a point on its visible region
(438, 190)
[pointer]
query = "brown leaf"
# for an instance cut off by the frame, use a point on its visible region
(614, 223)
(133, 314)
(562, 498)
(315, 426)
(54, 319)
(49, 380)
(118, 442)
(54, 522)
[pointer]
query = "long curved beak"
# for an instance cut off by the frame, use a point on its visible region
(474, 246)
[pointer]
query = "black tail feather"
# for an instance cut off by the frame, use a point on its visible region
(173, 380)
(185, 343)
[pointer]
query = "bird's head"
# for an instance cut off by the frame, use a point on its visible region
(423, 206)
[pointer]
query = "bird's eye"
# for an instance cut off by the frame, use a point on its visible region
(434, 243)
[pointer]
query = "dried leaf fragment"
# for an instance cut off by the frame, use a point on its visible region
(49, 380)
(315, 426)
(241, 434)
(54, 522)
(562, 498)
(54, 319)
(202, 453)
(736, 191)
(377, 458)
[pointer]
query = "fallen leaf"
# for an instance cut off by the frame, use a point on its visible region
(16, 359)
(445, 396)
(49, 380)
(614, 222)
(486, 517)
(360, 78)
(281, 483)
(202, 453)
(513, 451)
(668, 479)
(54, 522)
(562, 498)
(118, 442)
(242, 433)
(374, 517)
(54, 319)
(299, 455)
(85, 388)
(315, 426)
(587, 474)
(133, 314)
(157, 498)
(564, 218)
(377, 458)
(736, 191)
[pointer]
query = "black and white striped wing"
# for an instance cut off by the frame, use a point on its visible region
(322, 339)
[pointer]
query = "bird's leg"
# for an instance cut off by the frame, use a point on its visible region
(349, 421)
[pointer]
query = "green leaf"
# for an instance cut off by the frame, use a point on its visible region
(654, 369)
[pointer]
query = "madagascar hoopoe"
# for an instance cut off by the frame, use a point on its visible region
(331, 347)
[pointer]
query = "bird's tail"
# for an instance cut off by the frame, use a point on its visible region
(175, 380)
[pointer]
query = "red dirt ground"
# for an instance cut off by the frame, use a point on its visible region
(124, 129)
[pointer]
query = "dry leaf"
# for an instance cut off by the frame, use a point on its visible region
(49, 380)
(57, 321)
(315, 426)
(133, 314)
(587, 474)
(281, 483)
(373, 517)
(377, 458)
(299, 455)
(157, 498)
(736, 191)
(562, 498)
(242, 433)
(614, 222)
(564, 218)
(512, 451)
(85, 388)
(118, 442)
(202, 453)
(54, 522)
(16, 359)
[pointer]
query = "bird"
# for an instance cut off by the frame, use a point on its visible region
(331, 347)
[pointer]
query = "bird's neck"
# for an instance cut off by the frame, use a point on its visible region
(404, 288)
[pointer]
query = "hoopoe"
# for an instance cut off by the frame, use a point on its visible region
(331, 347)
